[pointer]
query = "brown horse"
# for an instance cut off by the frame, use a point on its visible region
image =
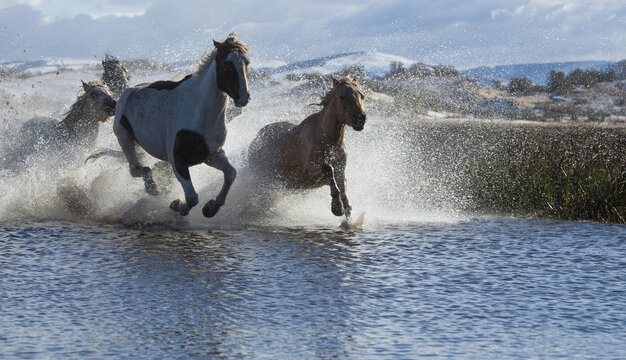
(312, 154)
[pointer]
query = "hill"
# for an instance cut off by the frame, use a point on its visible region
(375, 64)
(537, 73)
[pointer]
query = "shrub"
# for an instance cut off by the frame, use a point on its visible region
(356, 72)
(520, 86)
(419, 70)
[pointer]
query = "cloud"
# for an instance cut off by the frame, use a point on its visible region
(461, 33)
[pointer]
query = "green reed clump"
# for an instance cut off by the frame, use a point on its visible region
(564, 173)
(557, 171)
(555, 187)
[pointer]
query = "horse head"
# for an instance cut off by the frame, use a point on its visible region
(351, 102)
(232, 69)
(97, 101)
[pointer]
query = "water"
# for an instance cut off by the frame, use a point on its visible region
(92, 268)
(477, 288)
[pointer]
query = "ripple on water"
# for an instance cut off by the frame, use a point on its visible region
(472, 289)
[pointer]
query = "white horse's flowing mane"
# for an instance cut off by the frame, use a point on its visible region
(210, 53)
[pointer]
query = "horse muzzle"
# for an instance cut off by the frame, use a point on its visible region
(242, 101)
(358, 121)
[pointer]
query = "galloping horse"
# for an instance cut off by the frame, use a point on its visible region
(312, 154)
(79, 127)
(183, 122)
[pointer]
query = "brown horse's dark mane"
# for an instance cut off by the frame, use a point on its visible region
(338, 82)
(77, 112)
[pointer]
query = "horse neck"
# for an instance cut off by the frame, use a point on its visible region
(331, 124)
(211, 98)
(80, 121)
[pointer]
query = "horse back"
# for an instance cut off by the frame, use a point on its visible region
(267, 147)
(145, 113)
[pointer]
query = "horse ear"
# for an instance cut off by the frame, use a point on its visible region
(86, 87)
(216, 44)
(335, 80)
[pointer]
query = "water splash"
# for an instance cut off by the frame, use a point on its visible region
(384, 181)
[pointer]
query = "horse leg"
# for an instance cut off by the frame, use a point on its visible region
(341, 183)
(220, 161)
(191, 196)
(180, 160)
(339, 159)
(127, 141)
(336, 204)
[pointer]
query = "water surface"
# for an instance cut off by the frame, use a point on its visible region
(481, 288)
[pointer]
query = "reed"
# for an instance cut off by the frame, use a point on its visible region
(554, 187)
(558, 171)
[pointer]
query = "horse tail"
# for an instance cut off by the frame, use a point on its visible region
(104, 152)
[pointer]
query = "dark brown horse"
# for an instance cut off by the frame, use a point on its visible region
(78, 129)
(312, 154)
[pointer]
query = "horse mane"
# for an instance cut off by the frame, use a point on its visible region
(327, 97)
(209, 55)
(77, 110)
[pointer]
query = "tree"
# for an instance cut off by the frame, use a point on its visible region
(619, 70)
(444, 70)
(558, 84)
(587, 78)
(396, 69)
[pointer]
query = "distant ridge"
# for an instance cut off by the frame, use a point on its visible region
(537, 73)
(375, 64)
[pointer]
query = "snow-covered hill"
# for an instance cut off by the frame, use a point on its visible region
(43, 66)
(374, 63)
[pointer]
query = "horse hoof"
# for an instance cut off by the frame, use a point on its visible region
(347, 211)
(210, 209)
(336, 207)
(179, 207)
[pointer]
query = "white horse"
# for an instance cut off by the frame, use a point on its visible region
(183, 122)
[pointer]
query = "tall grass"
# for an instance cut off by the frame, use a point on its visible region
(573, 172)
(554, 187)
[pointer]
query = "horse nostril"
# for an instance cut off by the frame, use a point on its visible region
(359, 118)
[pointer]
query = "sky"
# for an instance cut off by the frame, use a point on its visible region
(461, 33)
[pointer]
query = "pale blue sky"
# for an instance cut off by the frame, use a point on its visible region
(463, 33)
(69, 8)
